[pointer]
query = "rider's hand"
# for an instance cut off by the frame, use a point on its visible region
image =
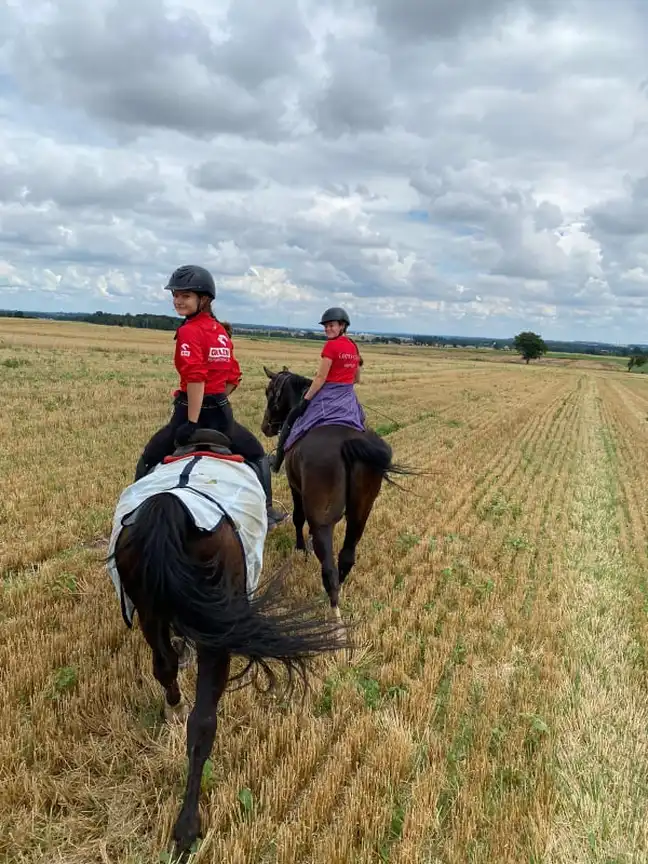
(184, 432)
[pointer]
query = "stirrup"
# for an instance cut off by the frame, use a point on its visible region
(275, 517)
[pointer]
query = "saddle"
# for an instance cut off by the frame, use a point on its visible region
(205, 442)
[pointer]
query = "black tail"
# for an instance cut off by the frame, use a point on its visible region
(375, 452)
(190, 597)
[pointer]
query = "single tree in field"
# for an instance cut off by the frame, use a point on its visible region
(637, 359)
(529, 345)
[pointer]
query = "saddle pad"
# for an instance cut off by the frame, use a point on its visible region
(333, 404)
(208, 488)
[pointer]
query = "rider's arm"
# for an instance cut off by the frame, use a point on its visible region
(190, 363)
(320, 378)
(195, 393)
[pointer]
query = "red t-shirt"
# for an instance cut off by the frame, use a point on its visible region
(346, 359)
(204, 352)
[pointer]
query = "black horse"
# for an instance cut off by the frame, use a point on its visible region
(193, 582)
(332, 471)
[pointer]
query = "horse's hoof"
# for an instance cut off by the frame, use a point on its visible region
(185, 834)
(176, 713)
(337, 617)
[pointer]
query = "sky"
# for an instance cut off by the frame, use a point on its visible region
(467, 167)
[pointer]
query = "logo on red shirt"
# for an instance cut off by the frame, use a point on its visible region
(219, 353)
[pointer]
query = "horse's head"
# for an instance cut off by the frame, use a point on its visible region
(283, 392)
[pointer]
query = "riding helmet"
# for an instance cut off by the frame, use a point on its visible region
(191, 277)
(335, 313)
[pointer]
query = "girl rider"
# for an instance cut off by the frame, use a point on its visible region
(331, 396)
(209, 372)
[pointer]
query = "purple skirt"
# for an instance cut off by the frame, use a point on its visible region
(333, 404)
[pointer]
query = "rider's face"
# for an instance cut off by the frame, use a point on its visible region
(332, 329)
(185, 302)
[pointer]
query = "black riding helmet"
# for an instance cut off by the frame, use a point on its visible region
(191, 277)
(335, 313)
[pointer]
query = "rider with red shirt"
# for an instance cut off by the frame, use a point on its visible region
(209, 373)
(205, 353)
(344, 357)
(331, 392)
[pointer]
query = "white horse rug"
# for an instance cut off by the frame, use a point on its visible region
(210, 488)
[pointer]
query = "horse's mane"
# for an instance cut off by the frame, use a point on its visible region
(297, 383)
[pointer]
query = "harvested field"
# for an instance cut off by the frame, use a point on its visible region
(497, 712)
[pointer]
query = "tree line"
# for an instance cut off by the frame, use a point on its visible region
(529, 345)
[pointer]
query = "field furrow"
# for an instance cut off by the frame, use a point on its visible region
(600, 746)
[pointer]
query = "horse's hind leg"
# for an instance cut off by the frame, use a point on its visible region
(165, 667)
(363, 491)
(299, 519)
(213, 674)
(323, 545)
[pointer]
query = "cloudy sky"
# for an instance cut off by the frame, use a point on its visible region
(436, 166)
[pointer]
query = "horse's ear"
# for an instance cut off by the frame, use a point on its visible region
(269, 373)
(285, 369)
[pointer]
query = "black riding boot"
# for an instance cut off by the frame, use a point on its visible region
(141, 469)
(278, 458)
(295, 412)
(275, 517)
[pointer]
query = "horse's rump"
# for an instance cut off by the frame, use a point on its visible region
(210, 490)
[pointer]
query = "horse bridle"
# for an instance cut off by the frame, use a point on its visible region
(278, 393)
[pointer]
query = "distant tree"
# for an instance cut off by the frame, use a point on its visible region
(529, 345)
(637, 359)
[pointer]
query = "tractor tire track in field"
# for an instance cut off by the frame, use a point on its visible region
(448, 839)
(601, 750)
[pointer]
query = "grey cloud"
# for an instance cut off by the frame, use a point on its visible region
(357, 90)
(521, 243)
(137, 65)
(417, 20)
(547, 216)
(620, 226)
(434, 19)
(265, 41)
(216, 175)
(624, 216)
(78, 186)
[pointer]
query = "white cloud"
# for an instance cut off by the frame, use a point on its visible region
(474, 166)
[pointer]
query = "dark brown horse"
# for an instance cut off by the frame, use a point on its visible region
(332, 471)
(193, 582)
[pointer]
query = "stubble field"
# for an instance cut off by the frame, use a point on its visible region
(497, 710)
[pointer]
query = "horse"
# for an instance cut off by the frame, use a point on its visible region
(189, 582)
(332, 471)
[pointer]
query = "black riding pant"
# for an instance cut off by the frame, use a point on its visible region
(216, 413)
